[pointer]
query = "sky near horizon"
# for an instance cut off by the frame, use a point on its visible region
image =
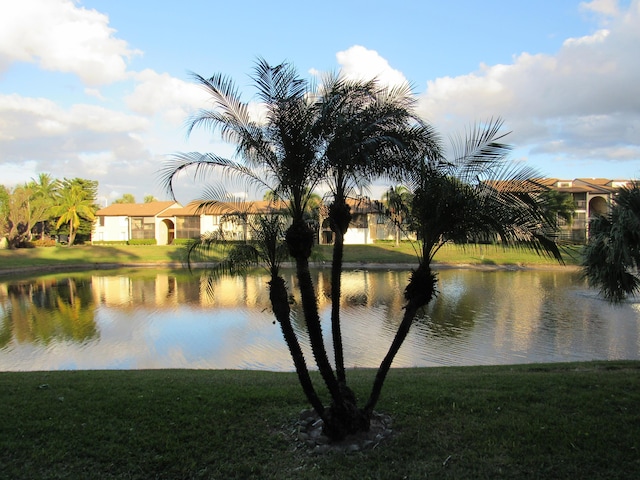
(101, 89)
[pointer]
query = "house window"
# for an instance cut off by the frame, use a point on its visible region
(143, 228)
(187, 227)
(101, 221)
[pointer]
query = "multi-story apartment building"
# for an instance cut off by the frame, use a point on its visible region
(591, 197)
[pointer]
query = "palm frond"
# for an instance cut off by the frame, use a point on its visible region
(612, 255)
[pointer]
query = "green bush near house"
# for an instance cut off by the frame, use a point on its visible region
(181, 241)
(142, 241)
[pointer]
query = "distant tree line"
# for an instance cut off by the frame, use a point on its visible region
(45, 209)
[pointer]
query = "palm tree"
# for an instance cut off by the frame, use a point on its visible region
(342, 134)
(478, 193)
(396, 200)
(612, 255)
(368, 129)
(279, 154)
(43, 194)
(73, 204)
(560, 206)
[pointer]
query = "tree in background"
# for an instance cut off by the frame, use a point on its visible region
(612, 254)
(30, 209)
(147, 199)
(559, 205)
(43, 192)
(75, 205)
(126, 198)
(16, 215)
(397, 201)
(4, 216)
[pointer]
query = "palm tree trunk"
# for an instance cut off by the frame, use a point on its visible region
(312, 318)
(72, 234)
(336, 293)
(282, 311)
(419, 292)
(339, 217)
(299, 238)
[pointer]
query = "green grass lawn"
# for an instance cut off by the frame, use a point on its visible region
(569, 421)
(88, 256)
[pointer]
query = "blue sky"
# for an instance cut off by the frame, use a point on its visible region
(100, 88)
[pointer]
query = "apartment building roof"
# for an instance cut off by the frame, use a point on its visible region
(149, 209)
(225, 208)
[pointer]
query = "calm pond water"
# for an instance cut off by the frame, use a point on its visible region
(142, 319)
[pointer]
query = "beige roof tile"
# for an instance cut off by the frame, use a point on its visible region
(150, 209)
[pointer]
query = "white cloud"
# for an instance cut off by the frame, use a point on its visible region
(94, 92)
(85, 141)
(160, 93)
(358, 62)
(60, 36)
(19, 115)
(586, 94)
(602, 7)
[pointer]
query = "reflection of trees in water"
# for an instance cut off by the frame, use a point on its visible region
(451, 315)
(47, 310)
(63, 308)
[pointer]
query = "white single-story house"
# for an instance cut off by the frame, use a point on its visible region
(134, 221)
(166, 221)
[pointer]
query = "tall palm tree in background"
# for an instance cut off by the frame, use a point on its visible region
(478, 193)
(397, 201)
(73, 204)
(560, 205)
(44, 192)
(612, 254)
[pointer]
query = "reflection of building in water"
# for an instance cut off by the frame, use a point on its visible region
(122, 290)
(230, 291)
(364, 288)
(166, 289)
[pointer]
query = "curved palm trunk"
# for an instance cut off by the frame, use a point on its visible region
(282, 311)
(312, 319)
(419, 292)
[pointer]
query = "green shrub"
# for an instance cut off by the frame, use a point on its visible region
(181, 241)
(142, 241)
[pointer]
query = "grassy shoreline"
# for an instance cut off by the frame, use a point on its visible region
(111, 256)
(577, 420)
